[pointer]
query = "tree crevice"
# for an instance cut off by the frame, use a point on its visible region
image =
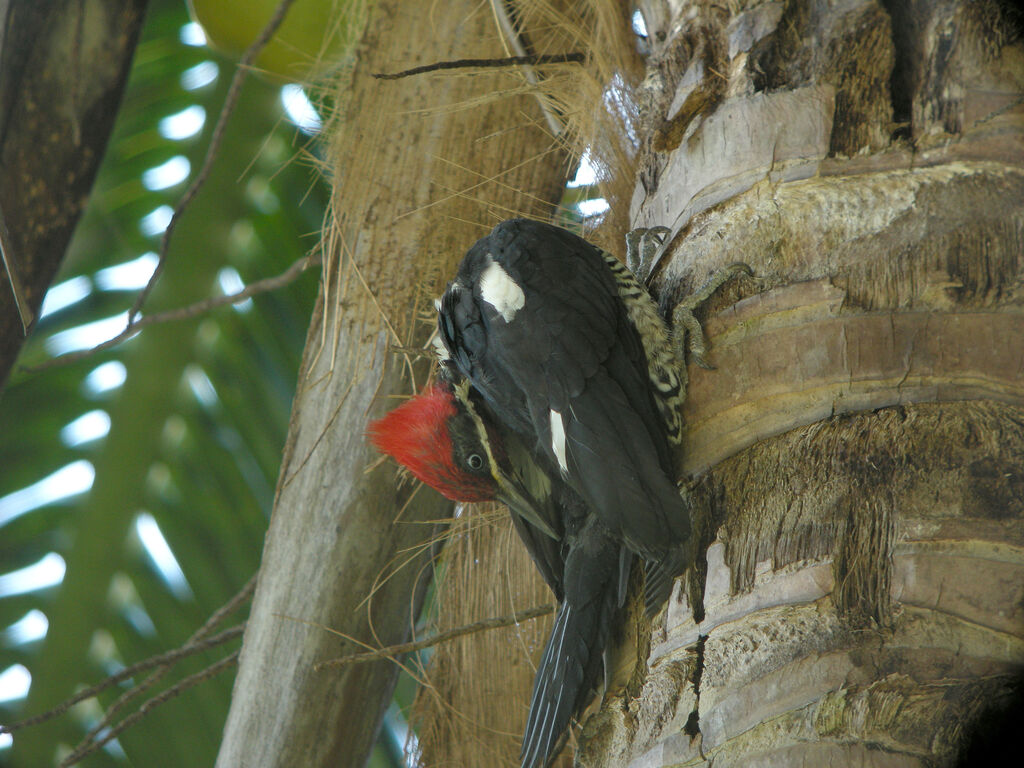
(692, 726)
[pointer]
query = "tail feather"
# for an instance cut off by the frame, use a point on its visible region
(569, 668)
(659, 577)
(557, 685)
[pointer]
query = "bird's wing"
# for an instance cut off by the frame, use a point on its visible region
(535, 321)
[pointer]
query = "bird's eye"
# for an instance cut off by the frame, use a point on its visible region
(475, 461)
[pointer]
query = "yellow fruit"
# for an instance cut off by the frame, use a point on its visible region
(310, 40)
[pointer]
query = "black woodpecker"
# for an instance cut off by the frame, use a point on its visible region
(447, 438)
(560, 395)
(569, 352)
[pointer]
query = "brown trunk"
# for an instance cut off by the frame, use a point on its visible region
(422, 167)
(859, 446)
(63, 66)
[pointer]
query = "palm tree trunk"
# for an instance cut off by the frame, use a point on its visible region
(348, 551)
(859, 449)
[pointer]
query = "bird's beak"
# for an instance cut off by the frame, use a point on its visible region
(514, 495)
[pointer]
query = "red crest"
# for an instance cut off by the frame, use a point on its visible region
(418, 435)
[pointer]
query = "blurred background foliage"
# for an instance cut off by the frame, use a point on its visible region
(137, 482)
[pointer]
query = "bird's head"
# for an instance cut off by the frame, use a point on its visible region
(436, 438)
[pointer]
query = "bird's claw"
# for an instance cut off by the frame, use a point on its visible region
(702, 362)
(687, 329)
(716, 281)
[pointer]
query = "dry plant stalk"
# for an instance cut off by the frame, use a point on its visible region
(594, 102)
(420, 168)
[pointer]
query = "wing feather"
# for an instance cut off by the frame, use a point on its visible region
(570, 348)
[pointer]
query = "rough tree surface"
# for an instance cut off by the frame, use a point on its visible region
(860, 447)
(422, 166)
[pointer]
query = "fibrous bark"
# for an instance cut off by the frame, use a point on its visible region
(857, 450)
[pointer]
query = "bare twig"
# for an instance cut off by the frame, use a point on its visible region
(391, 651)
(484, 180)
(232, 605)
(218, 616)
(511, 36)
(230, 101)
(172, 692)
(189, 649)
(194, 644)
(508, 61)
(11, 267)
(185, 313)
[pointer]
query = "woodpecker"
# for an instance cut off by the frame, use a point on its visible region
(560, 394)
(569, 352)
(447, 438)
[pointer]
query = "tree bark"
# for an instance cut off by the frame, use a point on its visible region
(63, 67)
(348, 550)
(858, 450)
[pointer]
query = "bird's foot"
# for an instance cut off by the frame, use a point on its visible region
(686, 328)
(642, 245)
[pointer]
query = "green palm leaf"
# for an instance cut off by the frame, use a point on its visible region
(196, 429)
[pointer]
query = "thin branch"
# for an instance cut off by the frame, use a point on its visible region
(186, 313)
(509, 61)
(232, 605)
(418, 353)
(373, 296)
(218, 616)
(323, 433)
(513, 37)
(195, 644)
(13, 277)
(356, 641)
(172, 692)
(189, 649)
(482, 182)
(391, 651)
(230, 101)
(529, 196)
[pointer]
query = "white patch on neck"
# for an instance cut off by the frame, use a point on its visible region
(440, 348)
(558, 439)
(501, 291)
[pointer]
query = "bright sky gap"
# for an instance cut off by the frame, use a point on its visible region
(201, 75)
(162, 557)
(105, 377)
(128, 275)
(183, 125)
(300, 109)
(67, 481)
(47, 571)
(166, 175)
